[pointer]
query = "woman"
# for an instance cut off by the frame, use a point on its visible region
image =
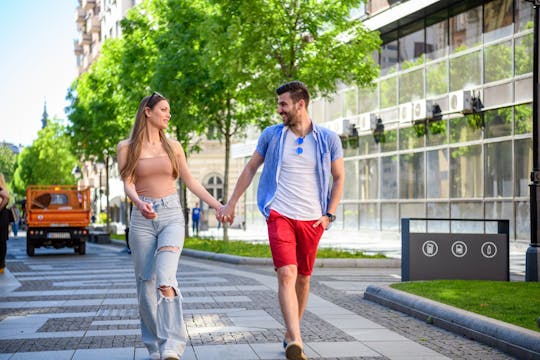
(149, 166)
(4, 222)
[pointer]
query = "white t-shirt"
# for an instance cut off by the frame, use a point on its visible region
(297, 195)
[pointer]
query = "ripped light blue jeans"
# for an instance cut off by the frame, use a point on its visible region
(162, 322)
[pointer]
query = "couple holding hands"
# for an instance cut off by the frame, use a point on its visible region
(299, 191)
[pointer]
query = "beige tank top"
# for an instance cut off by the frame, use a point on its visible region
(154, 177)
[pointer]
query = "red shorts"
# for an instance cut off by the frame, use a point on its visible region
(293, 242)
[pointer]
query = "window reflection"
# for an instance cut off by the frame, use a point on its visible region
(466, 71)
(437, 78)
(389, 92)
(389, 175)
(523, 54)
(350, 190)
(437, 133)
(466, 30)
(498, 122)
(524, 15)
(466, 128)
(497, 19)
(523, 165)
(412, 137)
(437, 35)
(498, 62)
(438, 166)
(411, 168)
(411, 45)
(466, 172)
(523, 119)
(368, 178)
(389, 54)
(411, 86)
(498, 175)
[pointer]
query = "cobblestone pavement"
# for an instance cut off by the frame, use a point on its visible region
(60, 305)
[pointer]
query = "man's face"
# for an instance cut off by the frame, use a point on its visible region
(287, 109)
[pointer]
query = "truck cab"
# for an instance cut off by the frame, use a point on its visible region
(57, 216)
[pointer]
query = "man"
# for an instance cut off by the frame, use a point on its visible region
(195, 219)
(295, 197)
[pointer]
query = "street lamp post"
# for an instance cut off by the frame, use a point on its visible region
(532, 257)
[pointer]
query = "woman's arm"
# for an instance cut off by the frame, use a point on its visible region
(193, 185)
(145, 208)
(4, 198)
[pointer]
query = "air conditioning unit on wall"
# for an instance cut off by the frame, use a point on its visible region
(340, 126)
(460, 101)
(422, 109)
(406, 112)
(364, 122)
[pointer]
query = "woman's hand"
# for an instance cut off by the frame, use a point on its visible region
(147, 210)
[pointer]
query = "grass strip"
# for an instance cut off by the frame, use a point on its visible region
(242, 248)
(516, 303)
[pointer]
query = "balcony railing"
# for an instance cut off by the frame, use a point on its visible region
(88, 4)
(80, 14)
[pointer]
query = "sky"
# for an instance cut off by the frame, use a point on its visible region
(37, 64)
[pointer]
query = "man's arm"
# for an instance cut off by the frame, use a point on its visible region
(243, 182)
(338, 182)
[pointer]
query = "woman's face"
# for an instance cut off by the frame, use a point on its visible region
(159, 115)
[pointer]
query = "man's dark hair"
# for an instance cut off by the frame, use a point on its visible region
(298, 91)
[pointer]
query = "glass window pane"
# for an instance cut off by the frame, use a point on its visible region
(466, 30)
(498, 62)
(523, 220)
(467, 210)
(349, 102)
(367, 100)
(465, 71)
(350, 190)
(524, 14)
(367, 145)
(411, 184)
(316, 110)
(437, 78)
(411, 45)
(498, 19)
(524, 54)
(502, 210)
(466, 172)
(369, 218)
(389, 55)
(439, 210)
(389, 92)
(334, 107)
(389, 142)
(411, 86)
(437, 35)
(498, 169)
(413, 210)
(389, 216)
(523, 119)
(437, 133)
(389, 176)
(412, 137)
(523, 166)
(350, 216)
(369, 179)
(498, 122)
(438, 166)
(466, 128)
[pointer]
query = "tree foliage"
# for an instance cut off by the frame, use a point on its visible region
(49, 160)
(8, 162)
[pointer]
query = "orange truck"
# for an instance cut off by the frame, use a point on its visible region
(57, 216)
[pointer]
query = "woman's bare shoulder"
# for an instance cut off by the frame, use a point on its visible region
(122, 144)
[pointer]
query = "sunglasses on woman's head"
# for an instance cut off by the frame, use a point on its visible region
(155, 93)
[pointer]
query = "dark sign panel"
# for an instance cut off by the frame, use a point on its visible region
(430, 256)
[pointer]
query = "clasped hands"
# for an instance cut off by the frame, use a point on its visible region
(225, 214)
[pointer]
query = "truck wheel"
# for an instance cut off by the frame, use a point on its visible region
(29, 248)
(82, 248)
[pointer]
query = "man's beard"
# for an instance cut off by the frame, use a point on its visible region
(290, 118)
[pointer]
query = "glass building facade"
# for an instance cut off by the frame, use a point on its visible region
(436, 158)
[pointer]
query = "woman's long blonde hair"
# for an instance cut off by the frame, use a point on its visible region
(138, 133)
(3, 182)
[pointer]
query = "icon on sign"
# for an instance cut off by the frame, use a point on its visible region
(430, 248)
(489, 249)
(459, 249)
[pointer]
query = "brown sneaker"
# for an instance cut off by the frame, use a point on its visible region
(294, 351)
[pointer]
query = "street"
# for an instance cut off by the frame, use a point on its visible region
(60, 305)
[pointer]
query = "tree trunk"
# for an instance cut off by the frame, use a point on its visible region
(227, 164)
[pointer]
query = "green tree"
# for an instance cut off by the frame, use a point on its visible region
(8, 162)
(49, 160)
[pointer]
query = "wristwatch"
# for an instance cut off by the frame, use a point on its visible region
(332, 217)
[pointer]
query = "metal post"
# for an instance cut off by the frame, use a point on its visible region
(532, 257)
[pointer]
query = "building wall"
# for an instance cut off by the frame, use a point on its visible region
(455, 165)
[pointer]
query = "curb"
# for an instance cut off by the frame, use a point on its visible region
(320, 263)
(515, 340)
(328, 263)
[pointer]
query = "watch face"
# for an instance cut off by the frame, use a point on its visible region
(331, 217)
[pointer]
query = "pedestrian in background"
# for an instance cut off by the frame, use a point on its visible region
(150, 165)
(296, 198)
(195, 219)
(4, 222)
(16, 218)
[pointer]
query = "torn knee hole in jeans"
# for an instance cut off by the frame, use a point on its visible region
(163, 289)
(168, 248)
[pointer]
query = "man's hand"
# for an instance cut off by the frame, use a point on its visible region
(324, 221)
(227, 212)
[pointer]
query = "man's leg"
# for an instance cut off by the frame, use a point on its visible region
(288, 301)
